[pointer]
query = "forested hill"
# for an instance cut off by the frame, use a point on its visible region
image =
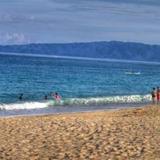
(113, 50)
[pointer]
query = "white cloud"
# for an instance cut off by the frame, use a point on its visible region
(13, 38)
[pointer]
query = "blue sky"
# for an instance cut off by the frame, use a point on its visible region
(62, 21)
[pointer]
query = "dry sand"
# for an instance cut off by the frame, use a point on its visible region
(126, 134)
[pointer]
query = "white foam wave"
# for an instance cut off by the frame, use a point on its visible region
(107, 100)
(79, 101)
(25, 105)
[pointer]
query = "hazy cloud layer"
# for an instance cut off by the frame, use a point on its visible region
(32, 21)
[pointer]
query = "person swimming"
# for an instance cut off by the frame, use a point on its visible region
(45, 97)
(57, 97)
(20, 97)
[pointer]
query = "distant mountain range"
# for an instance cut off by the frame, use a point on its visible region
(111, 50)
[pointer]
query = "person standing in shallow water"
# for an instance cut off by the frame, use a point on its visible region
(158, 95)
(153, 94)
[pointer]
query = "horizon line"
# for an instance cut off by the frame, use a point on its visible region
(40, 43)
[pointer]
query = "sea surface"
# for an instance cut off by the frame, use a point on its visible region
(81, 83)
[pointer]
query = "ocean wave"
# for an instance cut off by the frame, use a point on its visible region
(78, 101)
(132, 73)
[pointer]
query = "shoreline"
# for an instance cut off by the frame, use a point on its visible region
(60, 110)
(64, 113)
(72, 113)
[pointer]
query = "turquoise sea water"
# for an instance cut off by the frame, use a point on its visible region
(78, 81)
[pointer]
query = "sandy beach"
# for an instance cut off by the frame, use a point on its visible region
(101, 135)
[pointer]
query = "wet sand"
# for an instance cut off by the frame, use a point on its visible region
(124, 134)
